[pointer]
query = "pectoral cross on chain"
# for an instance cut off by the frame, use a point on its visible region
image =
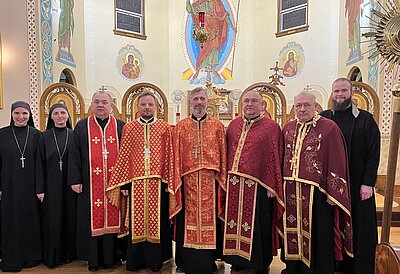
(105, 153)
(196, 151)
(22, 161)
(60, 162)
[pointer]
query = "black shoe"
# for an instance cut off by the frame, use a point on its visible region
(263, 271)
(93, 268)
(237, 268)
(179, 270)
(283, 271)
(155, 269)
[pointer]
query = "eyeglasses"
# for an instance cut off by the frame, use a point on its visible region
(300, 106)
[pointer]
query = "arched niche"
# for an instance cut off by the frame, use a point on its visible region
(129, 101)
(67, 76)
(62, 93)
(274, 99)
(355, 74)
(365, 98)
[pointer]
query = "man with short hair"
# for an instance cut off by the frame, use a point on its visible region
(96, 141)
(145, 167)
(254, 188)
(363, 151)
(317, 220)
(198, 193)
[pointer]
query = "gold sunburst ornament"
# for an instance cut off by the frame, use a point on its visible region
(386, 33)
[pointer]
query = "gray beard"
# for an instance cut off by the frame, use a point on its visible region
(341, 106)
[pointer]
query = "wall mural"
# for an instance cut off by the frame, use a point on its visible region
(65, 25)
(373, 63)
(130, 63)
(208, 40)
(46, 40)
(355, 11)
(291, 59)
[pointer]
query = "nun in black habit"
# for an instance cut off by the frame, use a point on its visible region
(58, 210)
(20, 222)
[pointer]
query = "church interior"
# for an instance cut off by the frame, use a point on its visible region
(55, 51)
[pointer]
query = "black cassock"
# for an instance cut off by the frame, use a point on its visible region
(20, 222)
(58, 210)
(103, 250)
(363, 147)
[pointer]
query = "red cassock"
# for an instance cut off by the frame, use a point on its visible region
(253, 159)
(314, 160)
(145, 160)
(200, 161)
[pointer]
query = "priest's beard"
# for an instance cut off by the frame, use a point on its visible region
(342, 105)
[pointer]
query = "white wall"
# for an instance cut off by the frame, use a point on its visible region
(13, 30)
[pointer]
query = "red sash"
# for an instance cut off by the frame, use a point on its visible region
(103, 152)
(239, 222)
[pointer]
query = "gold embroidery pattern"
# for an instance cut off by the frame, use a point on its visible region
(98, 203)
(232, 224)
(249, 182)
(96, 140)
(246, 226)
(234, 180)
(97, 171)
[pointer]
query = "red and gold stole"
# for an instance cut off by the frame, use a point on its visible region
(103, 151)
(239, 222)
(146, 183)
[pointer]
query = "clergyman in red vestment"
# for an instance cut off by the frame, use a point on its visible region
(254, 188)
(96, 140)
(197, 200)
(317, 222)
(145, 167)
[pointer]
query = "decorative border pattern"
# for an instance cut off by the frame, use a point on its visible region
(373, 63)
(46, 40)
(33, 77)
(387, 104)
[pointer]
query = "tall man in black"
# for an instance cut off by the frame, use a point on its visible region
(363, 146)
(96, 141)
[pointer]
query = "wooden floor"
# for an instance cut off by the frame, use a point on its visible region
(276, 267)
(81, 266)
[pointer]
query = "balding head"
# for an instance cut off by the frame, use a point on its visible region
(305, 106)
(252, 104)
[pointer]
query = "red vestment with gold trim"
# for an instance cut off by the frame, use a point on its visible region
(103, 151)
(200, 161)
(254, 148)
(146, 160)
(314, 160)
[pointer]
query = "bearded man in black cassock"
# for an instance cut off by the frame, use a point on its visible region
(96, 148)
(363, 146)
(20, 223)
(58, 211)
